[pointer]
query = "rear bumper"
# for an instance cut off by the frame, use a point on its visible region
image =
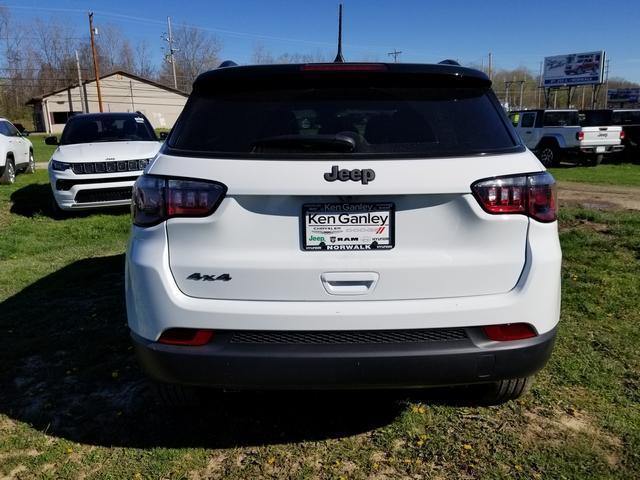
(226, 364)
(599, 149)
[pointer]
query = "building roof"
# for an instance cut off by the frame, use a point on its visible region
(38, 99)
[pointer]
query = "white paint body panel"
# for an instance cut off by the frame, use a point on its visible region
(453, 265)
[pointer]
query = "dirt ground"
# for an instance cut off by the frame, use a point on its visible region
(599, 196)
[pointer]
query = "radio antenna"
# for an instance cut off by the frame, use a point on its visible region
(339, 57)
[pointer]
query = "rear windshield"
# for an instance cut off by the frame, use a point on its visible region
(561, 119)
(107, 128)
(626, 118)
(346, 121)
(595, 118)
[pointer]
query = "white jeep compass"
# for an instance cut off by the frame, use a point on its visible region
(98, 158)
(343, 225)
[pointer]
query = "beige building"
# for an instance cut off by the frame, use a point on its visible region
(121, 92)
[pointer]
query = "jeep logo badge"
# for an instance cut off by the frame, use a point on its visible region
(365, 175)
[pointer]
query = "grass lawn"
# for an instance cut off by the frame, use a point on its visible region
(74, 404)
(41, 151)
(607, 174)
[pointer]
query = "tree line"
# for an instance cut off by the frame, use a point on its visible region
(39, 56)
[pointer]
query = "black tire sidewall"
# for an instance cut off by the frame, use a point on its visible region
(6, 179)
(554, 155)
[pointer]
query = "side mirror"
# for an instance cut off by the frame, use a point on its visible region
(24, 133)
(164, 135)
(53, 140)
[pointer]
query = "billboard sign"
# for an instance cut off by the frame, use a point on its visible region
(623, 95)
(574, 69)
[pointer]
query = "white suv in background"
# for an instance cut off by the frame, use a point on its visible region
(343, 225)
(16, 153)
(99, 157)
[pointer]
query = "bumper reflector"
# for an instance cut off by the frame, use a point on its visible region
(186, 336)
(510, 331)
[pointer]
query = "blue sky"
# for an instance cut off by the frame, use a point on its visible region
(518, 33)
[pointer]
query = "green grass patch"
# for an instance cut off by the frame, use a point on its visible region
(41, 151)
(607, 174)
(73, 402)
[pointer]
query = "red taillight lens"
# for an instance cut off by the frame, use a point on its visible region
(533, 195)
(579, 135)
(186, 336)
(343, 67)
(621, 134)
(510, 331)
(156, 199)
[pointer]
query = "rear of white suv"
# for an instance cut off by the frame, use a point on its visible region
(344, 226)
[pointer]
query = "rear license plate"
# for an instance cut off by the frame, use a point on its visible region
(348, 226)
(600, 149)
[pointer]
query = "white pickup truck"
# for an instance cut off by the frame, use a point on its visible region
(552, 134)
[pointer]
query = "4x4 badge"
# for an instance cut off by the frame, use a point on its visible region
(365, 175)
(225, 277)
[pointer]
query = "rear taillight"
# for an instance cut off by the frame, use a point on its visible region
(191, 337)
(156, 199)
(510, 331)
(533, 195)
(580, 136)
(621, 134)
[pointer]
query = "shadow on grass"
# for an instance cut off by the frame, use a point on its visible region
(36, 199)
(67, 368)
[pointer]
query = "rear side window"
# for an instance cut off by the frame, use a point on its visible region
(595, 118)
(561, 119)
(528, 119)
(367, 121)
(626, 118)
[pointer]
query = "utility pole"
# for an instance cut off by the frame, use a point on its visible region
(83, 105)
(539, 87)
(606, 84)
(96, 67)
(133, 105)
(395, 55)
(490, 66)
(521, 92)
(171, 57)
(507, 86)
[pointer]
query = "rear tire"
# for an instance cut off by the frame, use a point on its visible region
(31, 167)
(505, 390)
(548, 154)
(9, 175)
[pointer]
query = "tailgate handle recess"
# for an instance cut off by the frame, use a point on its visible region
(349, 283)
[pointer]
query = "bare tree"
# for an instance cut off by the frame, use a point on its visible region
(143, 64)
(261, 55)
(196, 52)
(114, 50)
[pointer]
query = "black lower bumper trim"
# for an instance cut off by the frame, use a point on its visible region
(224, 364)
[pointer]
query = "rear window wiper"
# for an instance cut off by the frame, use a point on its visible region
(308, 143)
